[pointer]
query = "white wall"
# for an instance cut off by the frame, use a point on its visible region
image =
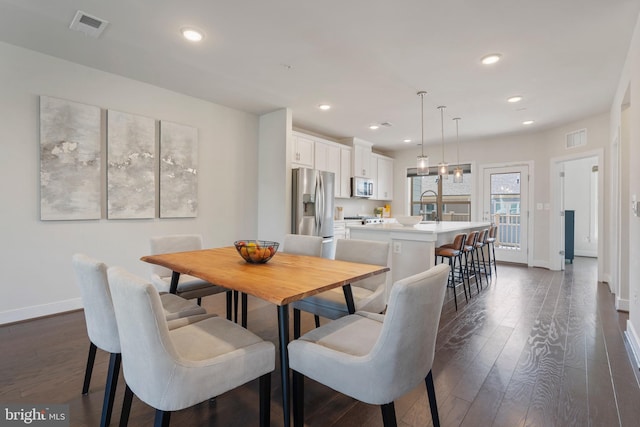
(35, 257)
(630, 183)
(537, 147)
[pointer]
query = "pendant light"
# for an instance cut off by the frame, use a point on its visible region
(458, 174)
(423, 161)
(443, 168)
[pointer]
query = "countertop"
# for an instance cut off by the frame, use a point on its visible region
(428, 228)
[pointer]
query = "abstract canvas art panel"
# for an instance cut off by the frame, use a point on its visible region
(69, 160)
(131, 189)
(178, 170)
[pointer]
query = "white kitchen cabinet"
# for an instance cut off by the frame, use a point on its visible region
(303, 151)
(327, 158)
(373, 169)
(345, 173)
(384, 182)
(361, 158)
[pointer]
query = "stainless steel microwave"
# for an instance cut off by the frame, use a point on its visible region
(361, 187)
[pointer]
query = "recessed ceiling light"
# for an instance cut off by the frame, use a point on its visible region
(406, 140)
(491, 58)
(324, 107)
(192, 34)
(527, 122)
(374, 127)
(513, 99)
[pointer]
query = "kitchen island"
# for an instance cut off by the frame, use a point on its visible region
(413, 248)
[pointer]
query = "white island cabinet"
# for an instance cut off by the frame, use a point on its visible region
(413, 248)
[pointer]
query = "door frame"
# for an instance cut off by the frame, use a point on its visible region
(556, 166)
(530, 188)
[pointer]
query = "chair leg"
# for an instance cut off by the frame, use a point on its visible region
(199, 301)
(89, 369)
(389, 415)
(431, 393)
(453, 283)
(236, 298)
(126, 407)
(110, 388)
(229, 303)
(298, 399)
(317, 319)
(265, 400)
(244, 310)
(296, 323)
(162, 418)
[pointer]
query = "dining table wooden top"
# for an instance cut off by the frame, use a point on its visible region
(285, 278)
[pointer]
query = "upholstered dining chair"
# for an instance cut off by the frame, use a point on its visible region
(368, 294)
(91, 276)
(175, 369)
(189, 287)
(376, 358)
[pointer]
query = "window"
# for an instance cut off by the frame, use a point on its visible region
(456, 198)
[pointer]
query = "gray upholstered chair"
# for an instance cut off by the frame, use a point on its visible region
(301, 244)
(188, 286)
(91, 276)
(175, 369)
(368, 294)
(376, 358)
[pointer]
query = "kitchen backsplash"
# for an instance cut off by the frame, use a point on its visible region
(354, 207)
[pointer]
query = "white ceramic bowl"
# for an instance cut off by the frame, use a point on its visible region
(409, 221)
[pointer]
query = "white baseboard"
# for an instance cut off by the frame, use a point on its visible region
(540, 263)
(40, 310)
(622, 304)
(634, 342)
(589, 254)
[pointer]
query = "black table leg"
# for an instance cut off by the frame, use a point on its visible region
(283, 330)
(175, 276)
(348, 296)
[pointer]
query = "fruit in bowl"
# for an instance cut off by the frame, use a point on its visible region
(409, 221)
(256, 251)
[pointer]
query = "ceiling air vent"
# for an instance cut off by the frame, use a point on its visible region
(90, 25)
(576, 139)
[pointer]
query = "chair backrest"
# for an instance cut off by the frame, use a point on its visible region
(472, 238)
(458, 241)
(405, 348)
(102, 328)
(301, 244)
(173, 243)
(483, 235)
(148, 354)
(365, 252)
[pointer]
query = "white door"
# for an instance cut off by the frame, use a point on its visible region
(505, 203)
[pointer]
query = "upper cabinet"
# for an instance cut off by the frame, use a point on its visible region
(384, 181)
(303, 151)
(361, 158)
(345, 173)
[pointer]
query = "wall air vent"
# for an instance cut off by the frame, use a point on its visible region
(576, 139)
(87, 24)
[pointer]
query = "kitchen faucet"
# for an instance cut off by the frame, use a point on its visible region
(422, 211)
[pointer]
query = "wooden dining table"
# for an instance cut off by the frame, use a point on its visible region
(284, 279)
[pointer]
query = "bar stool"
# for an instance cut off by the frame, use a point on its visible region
(453, 252)
(480, 245)
(491, 249)
(470, 250)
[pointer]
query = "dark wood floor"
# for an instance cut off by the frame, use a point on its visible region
(535, 348)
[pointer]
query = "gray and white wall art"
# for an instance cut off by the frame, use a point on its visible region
(178, 170)
(131, 186)
(69, 160)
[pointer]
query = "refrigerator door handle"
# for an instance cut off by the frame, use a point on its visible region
(320, 196)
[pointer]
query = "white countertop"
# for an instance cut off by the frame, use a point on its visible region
(428, 228)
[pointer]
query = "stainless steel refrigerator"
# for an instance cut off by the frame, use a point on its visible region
(312, 206)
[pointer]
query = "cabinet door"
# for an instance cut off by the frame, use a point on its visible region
(345, 173)
(361, 161)
(373, 172)
(303, 151)
(321, 160)
(385, 179)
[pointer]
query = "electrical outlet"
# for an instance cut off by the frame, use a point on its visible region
(397, 247)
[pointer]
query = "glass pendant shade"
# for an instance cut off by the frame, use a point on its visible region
(458, 176)
(443, 170)
(423, 165)
(443, 167)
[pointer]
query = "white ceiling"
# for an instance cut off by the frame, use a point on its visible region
(365, 58)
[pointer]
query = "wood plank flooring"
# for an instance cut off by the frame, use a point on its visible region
(534, 348)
